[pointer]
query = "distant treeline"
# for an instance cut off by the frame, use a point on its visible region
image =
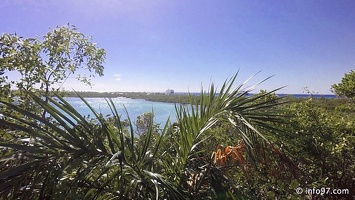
(158, 97)
(184, 97)
(88, 94)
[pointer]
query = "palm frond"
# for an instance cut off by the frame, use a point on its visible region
(71, 156)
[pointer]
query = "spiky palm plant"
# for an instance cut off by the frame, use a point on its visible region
(69, 156)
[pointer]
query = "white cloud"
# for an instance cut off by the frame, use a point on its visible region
(118, 77)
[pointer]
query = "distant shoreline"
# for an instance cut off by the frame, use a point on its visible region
(176, 97)
(156, 97)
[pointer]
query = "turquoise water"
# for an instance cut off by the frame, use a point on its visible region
(135, 107)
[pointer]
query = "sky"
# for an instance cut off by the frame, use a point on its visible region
(155, 45)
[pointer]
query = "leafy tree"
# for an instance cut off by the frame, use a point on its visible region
(347, 85)
(46, 63)
(143, 122)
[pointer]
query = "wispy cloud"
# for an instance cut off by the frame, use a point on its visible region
(118, 77)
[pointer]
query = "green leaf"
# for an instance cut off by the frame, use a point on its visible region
(18, 170)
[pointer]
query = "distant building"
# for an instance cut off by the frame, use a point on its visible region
(169, 92)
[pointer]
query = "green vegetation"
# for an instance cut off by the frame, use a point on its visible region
(44, 65)
(158, 97)
(322, 141)
(224, 145)
(347, 85)
(103, 159)
(87, 94)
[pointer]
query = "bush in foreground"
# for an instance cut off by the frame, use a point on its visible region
(68, 156)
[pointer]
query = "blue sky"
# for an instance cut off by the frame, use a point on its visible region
(153, 45)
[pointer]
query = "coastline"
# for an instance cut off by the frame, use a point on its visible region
(179, 97)
(155, 97)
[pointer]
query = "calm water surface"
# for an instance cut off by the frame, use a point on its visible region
(135, 107)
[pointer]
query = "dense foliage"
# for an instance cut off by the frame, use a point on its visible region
(202, 155)
(44, 64)
(101, 158)
(347, 85)
(321, 138)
